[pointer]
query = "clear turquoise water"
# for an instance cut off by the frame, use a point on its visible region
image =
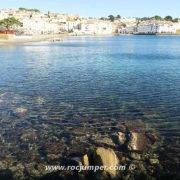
(92, 83)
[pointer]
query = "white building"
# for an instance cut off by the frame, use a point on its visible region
(177, 26)
(147, 29)
(166, 29)
(88, 28)
(72, 26)
(96, 27)
(157, 28)
(105, 28)
(4, 14)
(39, 26)
(128, 30)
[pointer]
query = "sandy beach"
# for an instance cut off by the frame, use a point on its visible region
(29, 39)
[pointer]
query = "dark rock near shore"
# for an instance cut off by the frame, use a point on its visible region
(137, 142)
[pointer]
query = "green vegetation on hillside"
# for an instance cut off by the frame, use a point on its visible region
(111, 18)
(159, 18)
(9, 23)
(27, 9)
(168, 18)
(156, 17)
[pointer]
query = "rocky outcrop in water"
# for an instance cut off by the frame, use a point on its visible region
(130, 148)
(105, 157)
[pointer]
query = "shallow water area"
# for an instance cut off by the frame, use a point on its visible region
(57, 98)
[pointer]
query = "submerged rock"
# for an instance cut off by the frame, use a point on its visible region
(29, 136)
(36, 170)
(9, 97)
(154, 161)
(40, 100)
(21, 111)
(18, 171)
(135, 156)
(137, 142)
(6, 95)
(121, 138)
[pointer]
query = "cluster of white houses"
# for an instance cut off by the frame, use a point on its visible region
(35, 22)
(158, 28)
(151, 27)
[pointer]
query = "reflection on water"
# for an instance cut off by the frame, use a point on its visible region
(50, 92)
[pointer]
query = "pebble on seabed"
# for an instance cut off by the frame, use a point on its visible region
(21, 111)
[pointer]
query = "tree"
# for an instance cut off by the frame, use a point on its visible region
(168, 18)
(145, 18)
(26, 9)
(10, 23)
(118, 16)
(48, 14)
(111, 18)
(159, 18)
(176, 20)
(103, 18)
(138, 22)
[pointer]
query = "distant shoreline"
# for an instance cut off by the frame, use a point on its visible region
(61, 37)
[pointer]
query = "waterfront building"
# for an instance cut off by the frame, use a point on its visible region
(147, 29)
(157, 28)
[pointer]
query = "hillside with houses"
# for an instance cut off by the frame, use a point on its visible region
(35, 22)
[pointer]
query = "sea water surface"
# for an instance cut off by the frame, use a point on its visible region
(89, 83)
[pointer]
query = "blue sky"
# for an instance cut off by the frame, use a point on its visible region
(101, 7)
